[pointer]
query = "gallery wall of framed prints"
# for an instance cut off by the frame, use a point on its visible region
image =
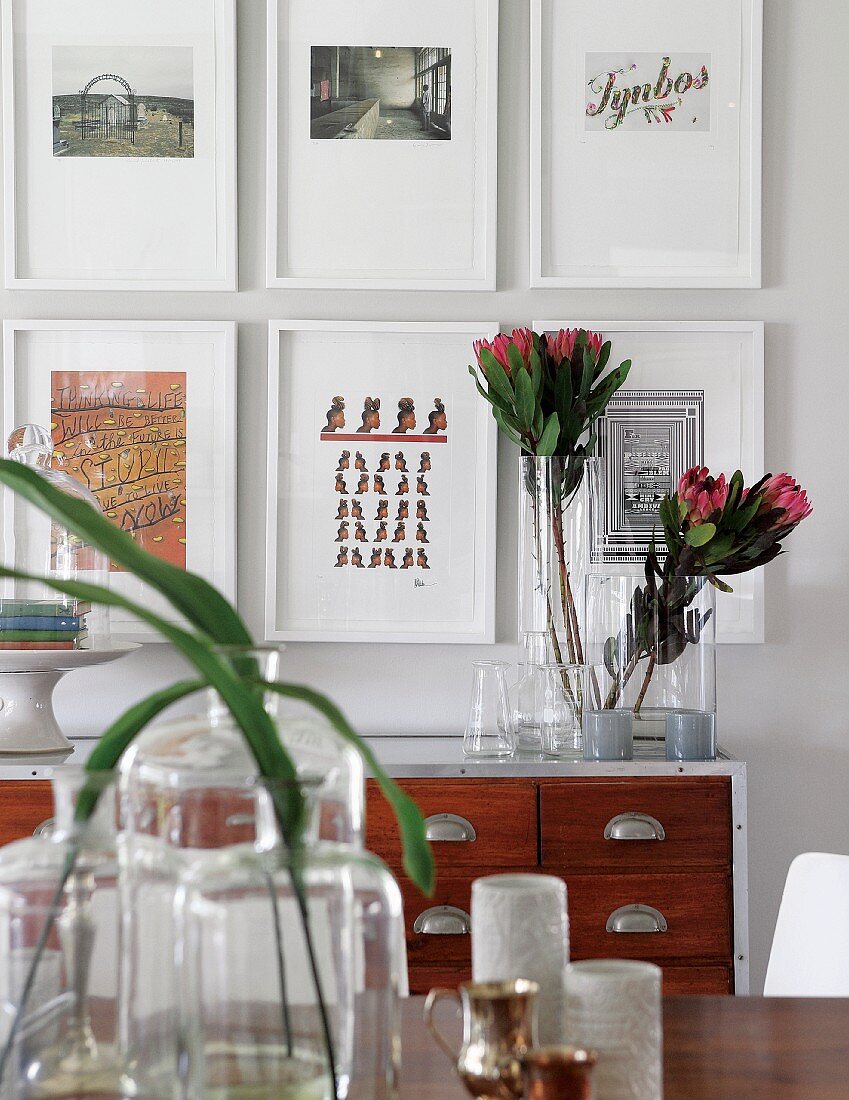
(646, 143)
(381, 484)
(380, 137)
(347, 209)
(694, 396)
(133, 186)
(143, 414)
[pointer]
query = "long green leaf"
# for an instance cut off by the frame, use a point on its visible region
(418, 857)
(496, 377)
(117, 738)
(193, 597)
(489, 395)
(244, 703)
(550, 434)
(525, 401)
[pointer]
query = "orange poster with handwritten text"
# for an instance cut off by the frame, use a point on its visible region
(123, 436)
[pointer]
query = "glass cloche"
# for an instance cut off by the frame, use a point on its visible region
(34, 616)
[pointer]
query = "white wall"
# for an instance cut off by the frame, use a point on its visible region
(784, 705)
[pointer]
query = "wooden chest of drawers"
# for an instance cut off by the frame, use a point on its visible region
(648, 862)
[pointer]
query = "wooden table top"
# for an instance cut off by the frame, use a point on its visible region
(715, 1048)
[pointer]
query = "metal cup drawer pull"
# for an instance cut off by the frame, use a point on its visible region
(45, 828)
(450, 827)
(634, 826)
(443, 920)
(636, 919)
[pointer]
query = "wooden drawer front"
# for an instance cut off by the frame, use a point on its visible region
(702, 980)
(502, 813)
(24, 805)
(696, 908)
(695, 815)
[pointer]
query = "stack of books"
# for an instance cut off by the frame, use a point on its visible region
(43, 624)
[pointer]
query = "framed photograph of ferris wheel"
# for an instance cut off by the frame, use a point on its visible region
(133, 186)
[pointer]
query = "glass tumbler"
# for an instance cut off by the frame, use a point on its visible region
(489, 731)
(563, 699)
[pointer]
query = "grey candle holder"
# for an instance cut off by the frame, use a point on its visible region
(691, 735)
(608, 735)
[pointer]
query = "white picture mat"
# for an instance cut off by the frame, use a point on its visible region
(725, 359)
(383, 213)
(309, 360)
(657, 208)
(206, 353)
(119, 223)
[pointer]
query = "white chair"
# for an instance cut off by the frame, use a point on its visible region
(810, 948)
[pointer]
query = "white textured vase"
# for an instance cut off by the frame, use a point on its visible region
(614, 1007)
(520, 929)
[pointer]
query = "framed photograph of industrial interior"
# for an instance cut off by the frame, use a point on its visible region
(133, 187)
(381, 484)
(694, 396)
(382, 144)
(143, 415)
(646, 143)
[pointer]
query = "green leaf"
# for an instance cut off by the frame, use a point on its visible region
(587, 374)
(193, 597)
(507, 429)
(488, 395)
(525, 401)
(243, 701)
(699, 536)
(536, 372)
(117, 738)
(547, 444)
(496, 378)
(517, 363)
(418, 857)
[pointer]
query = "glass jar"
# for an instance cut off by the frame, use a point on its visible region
(652, 648)
(34, 616)
(59, 950)
(256, 1025)
(208, 747)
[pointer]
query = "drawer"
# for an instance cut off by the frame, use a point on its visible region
(696, 909)
(431, 944)
(702, 980)
(24, 805)
(476, 826)
(691, 814)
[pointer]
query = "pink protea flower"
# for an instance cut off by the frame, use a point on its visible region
(783, 491)
(498, 347)
(523, 338)
(702, 494)
(561, 345)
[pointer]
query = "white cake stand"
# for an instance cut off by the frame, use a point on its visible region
(27, 679)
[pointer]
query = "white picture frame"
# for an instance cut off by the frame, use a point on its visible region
(78, 218)
(336, 209)
(450, 596)
(196, 365)
(646, 204)
(718, 368)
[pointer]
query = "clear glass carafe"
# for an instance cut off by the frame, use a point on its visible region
(59, 951)
(489, 729)
(563, 699)
(255, 1024)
